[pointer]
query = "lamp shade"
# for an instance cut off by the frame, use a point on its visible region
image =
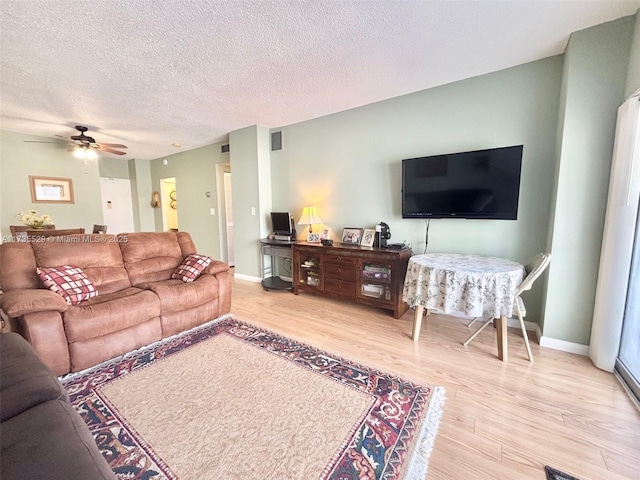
(310, 217)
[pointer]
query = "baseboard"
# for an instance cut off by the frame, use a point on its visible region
(515, 323)
(563, 345)
(248, 278)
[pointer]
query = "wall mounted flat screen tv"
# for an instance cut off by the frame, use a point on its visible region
(281, 223)
(482, 184)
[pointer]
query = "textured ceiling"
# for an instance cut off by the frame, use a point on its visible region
(150, 73)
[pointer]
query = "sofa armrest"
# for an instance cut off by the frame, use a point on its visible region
(16, 303)
(45, 332)
(216, 266)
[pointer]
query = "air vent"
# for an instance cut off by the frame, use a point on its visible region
(224, 148)
(276, 141)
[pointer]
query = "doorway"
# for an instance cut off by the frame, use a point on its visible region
(169, 202)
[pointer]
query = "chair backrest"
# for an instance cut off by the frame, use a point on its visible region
(534, 269)
(99, 228)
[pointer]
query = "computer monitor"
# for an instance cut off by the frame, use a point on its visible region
(281, 222)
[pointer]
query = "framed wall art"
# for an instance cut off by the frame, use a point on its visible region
(51, 189)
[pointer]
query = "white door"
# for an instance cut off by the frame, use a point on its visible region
(117, 207)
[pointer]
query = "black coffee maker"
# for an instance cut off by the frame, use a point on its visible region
(383, 233)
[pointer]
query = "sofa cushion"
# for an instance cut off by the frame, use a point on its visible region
(186, 243)
(97, 255)
(110, 313)
(176, 295)
(17, 266)
(50, 441)
(68, 281)
(191, 267)
(24, 380)
(151, 256)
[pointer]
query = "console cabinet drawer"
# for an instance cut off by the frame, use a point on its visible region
(341, 259)
(342, 272)
(340, 287)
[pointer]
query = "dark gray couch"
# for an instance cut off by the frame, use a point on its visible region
(41, 435)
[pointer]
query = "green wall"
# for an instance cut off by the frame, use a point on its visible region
(20, 159)
(195, 174)
(251, 192)
(113, 168)
(595, 73)
(143, 213)
(633, 76)
(349, 164)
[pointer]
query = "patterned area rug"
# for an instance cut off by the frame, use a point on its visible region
(232, 401)
(553, 474)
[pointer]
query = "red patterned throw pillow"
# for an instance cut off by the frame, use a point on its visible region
(191, 267)
(69, 282)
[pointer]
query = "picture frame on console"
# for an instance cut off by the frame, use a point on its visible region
(351, 236)
(368, 236)
(325, 233)
(313, 238)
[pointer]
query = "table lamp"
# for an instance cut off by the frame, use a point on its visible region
(310, 217)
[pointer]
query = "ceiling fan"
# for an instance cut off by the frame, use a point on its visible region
(83, 144)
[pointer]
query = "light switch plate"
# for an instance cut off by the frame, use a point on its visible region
(212, 211)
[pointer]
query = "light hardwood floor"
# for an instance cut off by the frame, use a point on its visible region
(501, 420)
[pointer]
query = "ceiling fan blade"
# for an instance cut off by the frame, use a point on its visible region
(72, 148)
(107, 149)
(114, 145)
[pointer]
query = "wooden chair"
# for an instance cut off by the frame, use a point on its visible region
(99, 228)
(533, 269)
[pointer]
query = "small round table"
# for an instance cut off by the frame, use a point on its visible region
(472, 285)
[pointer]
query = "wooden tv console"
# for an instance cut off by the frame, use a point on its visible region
(369, 275)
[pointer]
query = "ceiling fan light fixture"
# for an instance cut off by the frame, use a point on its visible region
(80, 153)
(85, 153)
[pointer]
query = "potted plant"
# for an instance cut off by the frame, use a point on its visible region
(34, 220)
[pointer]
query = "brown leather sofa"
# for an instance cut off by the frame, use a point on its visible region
(137, 304)
(43, 436)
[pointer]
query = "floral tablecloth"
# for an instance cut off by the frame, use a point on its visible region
(472, 285)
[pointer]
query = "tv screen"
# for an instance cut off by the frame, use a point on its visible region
(480, 184)
(281, 222)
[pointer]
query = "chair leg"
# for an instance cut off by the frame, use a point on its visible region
(477, 332)
(524, 332)
(473, 320)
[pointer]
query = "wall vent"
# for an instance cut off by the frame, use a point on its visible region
(224, 148)
(276, 141)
